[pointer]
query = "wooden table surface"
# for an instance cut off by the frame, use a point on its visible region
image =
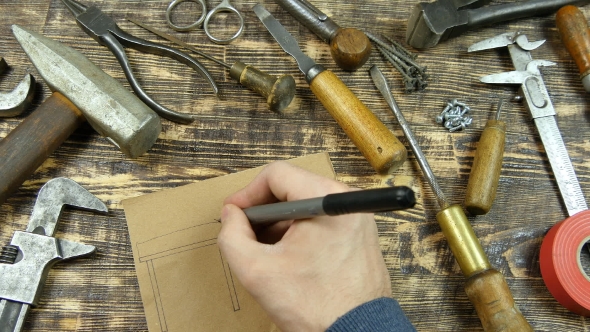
(237, 132)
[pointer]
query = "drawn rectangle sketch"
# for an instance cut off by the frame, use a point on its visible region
(161, 252)
(185, 283)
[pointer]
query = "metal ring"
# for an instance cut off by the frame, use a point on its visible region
(218, 9)
(192, 26)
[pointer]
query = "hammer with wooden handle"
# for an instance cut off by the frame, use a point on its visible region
(81, 91)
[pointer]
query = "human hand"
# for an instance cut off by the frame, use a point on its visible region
(304, 273)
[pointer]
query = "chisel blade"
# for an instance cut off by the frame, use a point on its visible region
(284, 38)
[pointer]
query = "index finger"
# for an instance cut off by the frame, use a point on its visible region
(284, 182)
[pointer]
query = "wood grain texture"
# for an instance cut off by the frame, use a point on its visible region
(237, 132)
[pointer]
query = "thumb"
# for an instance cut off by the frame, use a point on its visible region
(236, 240)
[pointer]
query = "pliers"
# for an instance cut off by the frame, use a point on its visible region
(106, 32)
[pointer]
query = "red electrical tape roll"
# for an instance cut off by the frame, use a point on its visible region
(560, 263)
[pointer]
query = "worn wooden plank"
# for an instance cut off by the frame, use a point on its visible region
(236, 132)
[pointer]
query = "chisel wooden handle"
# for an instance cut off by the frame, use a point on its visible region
(492, 299)
(28, 145)
(486, 169)
(573, 29)
(375, 141)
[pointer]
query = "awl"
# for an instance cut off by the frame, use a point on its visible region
(375, 141)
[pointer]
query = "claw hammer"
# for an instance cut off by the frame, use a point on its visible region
(81, 92)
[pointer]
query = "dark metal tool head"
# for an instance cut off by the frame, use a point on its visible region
(19, 99)
(108, 106)
(430, 23)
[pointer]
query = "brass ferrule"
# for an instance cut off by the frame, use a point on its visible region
(462, 240)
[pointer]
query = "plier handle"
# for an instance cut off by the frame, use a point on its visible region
(105, 31)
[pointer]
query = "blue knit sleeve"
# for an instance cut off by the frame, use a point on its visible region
(379, 315)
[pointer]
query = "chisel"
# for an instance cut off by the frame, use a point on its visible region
(575, 35)
(486, 168)
(377, 143)
(278, 91)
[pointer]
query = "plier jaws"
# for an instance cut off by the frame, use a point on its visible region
(105, 31)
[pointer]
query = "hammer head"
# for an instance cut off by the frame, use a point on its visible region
(108, 106)
(430, 23)
(52, 197)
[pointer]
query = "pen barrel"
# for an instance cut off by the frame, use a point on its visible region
(278, 91)
(486, 168)
(375, 141)
(269, 213)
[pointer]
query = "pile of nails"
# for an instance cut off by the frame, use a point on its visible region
(404, 61)
(454, 117)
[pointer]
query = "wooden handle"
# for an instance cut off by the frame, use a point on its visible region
(278, 91)
(573, 29)
(350, 48)
(489, 293)
(485, 172)
(25, 148)
(377, 143)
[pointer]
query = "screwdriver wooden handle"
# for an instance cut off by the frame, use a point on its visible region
(573, 29)
(25, 148)
(493, 301)
(350, 48)
(486, 288)
(487, 165)
(375, 141)
(278, 91)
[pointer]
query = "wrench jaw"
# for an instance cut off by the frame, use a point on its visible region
(18, 100)
(50, 202)
(22, 280)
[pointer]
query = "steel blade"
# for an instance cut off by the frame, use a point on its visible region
(561, 165)
(284, 38)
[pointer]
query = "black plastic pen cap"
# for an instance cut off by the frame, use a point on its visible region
(371, 200)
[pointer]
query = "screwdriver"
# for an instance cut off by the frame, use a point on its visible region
(486, 287)
(573, 29)
(278, 91)
(350, 47)
(487, 165)
(374, 140)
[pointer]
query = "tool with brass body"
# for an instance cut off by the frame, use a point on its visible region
(13, 103)
(278, 91)
(431, 23)
(25, 263)
(567, 283)
(486, 287)
(374, 140)
(105, 31)
(575, 35)
(350, 47)
(205, 19)
(81, 91)
(487, 165)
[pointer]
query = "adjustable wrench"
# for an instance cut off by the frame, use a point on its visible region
(25, 263)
